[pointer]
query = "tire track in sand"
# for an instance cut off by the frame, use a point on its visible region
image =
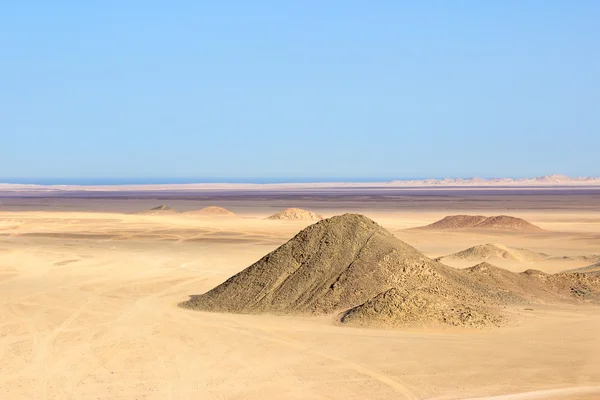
(272, 336)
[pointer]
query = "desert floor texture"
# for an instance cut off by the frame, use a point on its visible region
(89, 293)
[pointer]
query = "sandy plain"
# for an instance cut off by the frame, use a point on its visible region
(90, 292)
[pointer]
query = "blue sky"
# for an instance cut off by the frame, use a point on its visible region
(239, 90)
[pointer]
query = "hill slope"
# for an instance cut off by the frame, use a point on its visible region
(593, 269)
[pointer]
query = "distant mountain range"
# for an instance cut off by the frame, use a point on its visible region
(548, 180)
(542, 181)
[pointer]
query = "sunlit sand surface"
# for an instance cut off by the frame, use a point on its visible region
(89, 310)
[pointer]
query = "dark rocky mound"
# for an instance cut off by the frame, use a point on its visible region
(534, 272)
(500, 222)
(508, 223)
(338, 264)
(162, 209)
(457, 222)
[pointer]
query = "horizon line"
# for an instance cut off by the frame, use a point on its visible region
(110, 181)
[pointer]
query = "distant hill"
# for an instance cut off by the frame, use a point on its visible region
(500, 223)
(212, 211)
(296, 214)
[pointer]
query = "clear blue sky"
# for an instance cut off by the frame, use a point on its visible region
(308, 89)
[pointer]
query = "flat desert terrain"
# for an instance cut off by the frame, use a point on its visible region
(90, 287)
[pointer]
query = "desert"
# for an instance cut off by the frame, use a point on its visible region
(105, 296)
(267, 200)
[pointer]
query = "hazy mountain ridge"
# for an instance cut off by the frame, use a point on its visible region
(548, 180)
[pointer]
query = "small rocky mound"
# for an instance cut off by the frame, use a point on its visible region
(481, 267)
(296, 214)
(493, 251)
(212, 211)
(534, 273)
(500, 222)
